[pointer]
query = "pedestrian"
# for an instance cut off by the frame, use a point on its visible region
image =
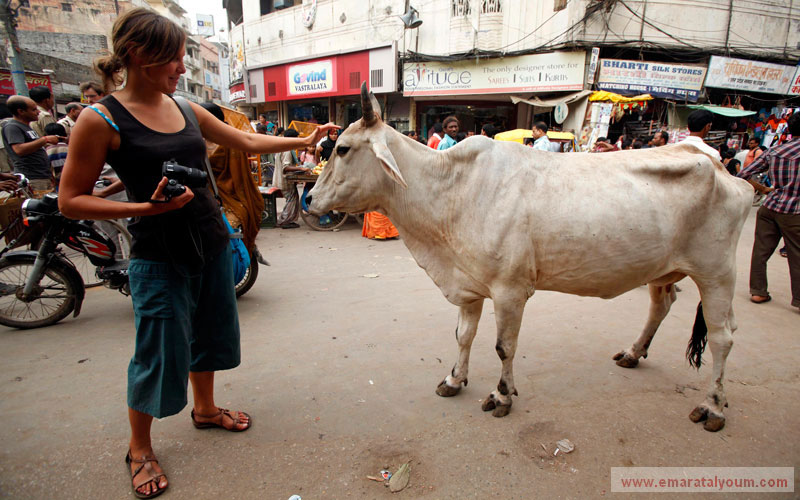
(753, 152)
(287, 163)
(450, 125)
(92, 91)
(541, 141)
(488, 130)
(603, 145)
(24, 146)
(779, 215)
(45, 101)
(699, 126)
(56, 153)
(661, 139)
(180, 272)
(73, 110)
(436, 136)
(326, 146)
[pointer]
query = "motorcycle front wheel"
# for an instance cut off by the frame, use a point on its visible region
(52, 300)
(249, 278)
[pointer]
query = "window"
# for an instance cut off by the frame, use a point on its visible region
(253, 91)
(355, 80)
(266, 7)
(272, 89)
(459, 8)
(559, 5)
(24, 3)
(66, 7)
(494, 6)
(376, 78)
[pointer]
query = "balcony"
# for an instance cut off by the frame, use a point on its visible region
(191, 63)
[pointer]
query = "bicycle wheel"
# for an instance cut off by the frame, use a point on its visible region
(326, 222)
(54, 296)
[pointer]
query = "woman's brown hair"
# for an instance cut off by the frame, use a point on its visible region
(143, 33)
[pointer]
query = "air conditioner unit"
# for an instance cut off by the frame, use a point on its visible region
(282, 4)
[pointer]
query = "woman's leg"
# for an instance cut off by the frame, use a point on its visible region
(140, 446)
(203, 390)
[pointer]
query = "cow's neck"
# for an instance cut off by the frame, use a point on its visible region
(421, 213)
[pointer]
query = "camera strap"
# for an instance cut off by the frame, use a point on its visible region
(189, 112)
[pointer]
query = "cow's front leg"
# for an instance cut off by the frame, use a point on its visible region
(508, 314)
(468, 317)
(661, 299)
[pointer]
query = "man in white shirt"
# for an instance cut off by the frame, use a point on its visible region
(539, 132)
(73, 110)
(699, 125)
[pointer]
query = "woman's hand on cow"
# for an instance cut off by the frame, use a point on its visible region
(320, 132)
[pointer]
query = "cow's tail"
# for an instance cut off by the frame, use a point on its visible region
(697, 344)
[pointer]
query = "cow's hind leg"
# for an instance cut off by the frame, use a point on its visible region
(468, 317)
(717, 313)
(508, 314)
(661, 299)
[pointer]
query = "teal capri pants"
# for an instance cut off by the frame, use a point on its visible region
(184, 322)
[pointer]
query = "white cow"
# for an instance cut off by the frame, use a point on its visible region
(489, 219)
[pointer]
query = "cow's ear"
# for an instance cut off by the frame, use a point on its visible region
(386, 158)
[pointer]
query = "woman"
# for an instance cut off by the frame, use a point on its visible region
(180, 272)
(325, 148)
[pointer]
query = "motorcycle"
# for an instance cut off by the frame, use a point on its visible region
(41, 287)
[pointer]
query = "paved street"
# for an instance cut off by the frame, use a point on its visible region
(339, 372)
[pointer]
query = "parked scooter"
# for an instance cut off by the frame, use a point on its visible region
(41, 287)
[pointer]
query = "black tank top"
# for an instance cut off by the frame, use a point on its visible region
(187, 237)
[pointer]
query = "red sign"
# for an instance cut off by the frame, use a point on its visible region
(32, 79)
(237, 93)
(333, 76)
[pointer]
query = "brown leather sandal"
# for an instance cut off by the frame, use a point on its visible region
(151, 475)
(224, 413)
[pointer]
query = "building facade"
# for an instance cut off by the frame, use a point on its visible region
(506, 62)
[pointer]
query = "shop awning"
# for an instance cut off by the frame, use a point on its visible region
(603, 95)
(551, 103)
(722, 110)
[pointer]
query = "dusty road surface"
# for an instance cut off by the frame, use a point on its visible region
(339, 372)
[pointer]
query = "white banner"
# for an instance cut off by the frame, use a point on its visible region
(741, 74)
(311, 78)
(535, 73)
(205, 25)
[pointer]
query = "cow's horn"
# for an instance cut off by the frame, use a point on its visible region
(366, 106)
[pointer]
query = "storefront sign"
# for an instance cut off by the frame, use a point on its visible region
(593, 60)
(536, 73)
(794, 85)
(741, 74)
(673, 81)
(311, 78)
(237, 93)
(31, 79)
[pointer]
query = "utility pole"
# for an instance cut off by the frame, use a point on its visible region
(9, 19)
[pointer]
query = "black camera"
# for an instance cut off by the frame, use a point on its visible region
(180, 177)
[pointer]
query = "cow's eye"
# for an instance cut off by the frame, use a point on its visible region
(342, 150)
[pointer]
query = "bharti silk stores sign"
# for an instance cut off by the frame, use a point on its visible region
(311, 78)
(535, 73)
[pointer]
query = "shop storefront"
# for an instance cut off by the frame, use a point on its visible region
(479, 92)
(323, 89)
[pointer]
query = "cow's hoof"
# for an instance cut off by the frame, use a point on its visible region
(699, 414)
(501, 411)
(488, 404)
(447, 391)
(715, 422)
(626, 361)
